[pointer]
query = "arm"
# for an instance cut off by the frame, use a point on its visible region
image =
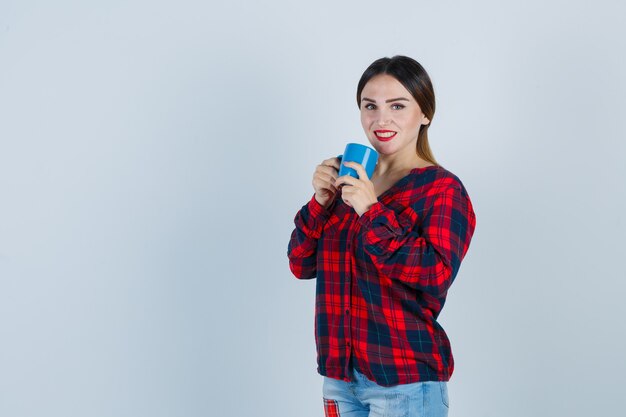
(302, 248)
(424, 253)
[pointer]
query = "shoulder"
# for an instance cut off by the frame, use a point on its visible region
(437, 188)
(434, 180)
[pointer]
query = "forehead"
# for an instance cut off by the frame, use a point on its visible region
(385, 86)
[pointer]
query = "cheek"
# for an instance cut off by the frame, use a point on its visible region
(366, 121)
(363, 121)
(406, 123)
(413, 121)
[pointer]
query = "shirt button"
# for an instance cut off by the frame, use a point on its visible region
(347, 312)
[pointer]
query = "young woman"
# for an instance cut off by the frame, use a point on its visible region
(385, 251)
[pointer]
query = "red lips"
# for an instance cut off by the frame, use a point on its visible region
(386, 135)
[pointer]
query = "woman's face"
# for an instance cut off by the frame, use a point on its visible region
(390, 116)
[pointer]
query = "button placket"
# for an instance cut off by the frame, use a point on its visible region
(350, 282)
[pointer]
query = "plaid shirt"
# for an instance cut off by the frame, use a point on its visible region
(382, 278)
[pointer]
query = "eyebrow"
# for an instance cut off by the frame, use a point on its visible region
(387, 101)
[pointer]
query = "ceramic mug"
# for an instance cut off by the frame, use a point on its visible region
(361, 154)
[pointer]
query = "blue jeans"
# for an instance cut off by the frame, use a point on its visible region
(364, 398)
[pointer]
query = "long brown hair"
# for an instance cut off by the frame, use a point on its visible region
(415, 79)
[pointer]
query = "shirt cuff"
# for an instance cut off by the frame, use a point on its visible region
(370, 215)
(316, 210)
(381, 223)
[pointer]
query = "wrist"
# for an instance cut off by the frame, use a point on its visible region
(323, 204)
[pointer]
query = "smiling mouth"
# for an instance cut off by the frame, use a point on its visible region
(385, 135)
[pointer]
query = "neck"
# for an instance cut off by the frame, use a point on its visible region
(393, 164)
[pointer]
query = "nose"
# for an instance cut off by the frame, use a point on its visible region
(383, 121)
(384, 118)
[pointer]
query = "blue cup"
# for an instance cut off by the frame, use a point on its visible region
(361, 154)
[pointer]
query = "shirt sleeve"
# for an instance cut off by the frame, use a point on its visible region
(424, 251)
(302, 248)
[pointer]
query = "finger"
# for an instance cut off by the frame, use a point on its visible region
(326, 176)
(326, 171)
(358, 168)
(332, 162)
(323, 180)
(325, 187)
(332, 171)
(346, 180)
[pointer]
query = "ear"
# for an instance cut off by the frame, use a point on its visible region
(425, 121)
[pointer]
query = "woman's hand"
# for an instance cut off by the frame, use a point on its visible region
(359, 193)
(324, 181)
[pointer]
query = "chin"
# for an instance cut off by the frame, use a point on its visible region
(386, 148)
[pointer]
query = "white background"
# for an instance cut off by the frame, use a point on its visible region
(153, 155)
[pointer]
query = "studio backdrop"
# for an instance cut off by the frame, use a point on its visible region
(153, 155)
